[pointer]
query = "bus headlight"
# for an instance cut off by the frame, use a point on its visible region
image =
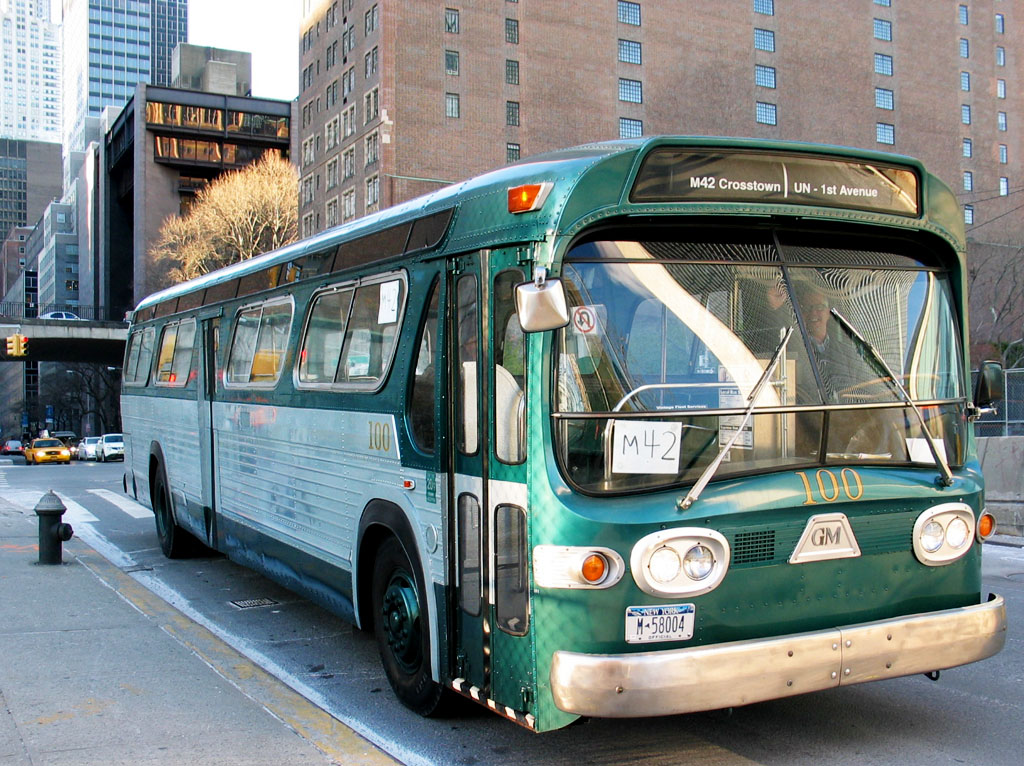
(943, 533)
(680, 562)
(698, 562)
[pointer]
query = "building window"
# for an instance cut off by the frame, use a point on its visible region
(968, 180)
(965, 114)
(1000, 55)
(883, 30)
(764, 76)
(885, 133)
(631, 91)
(883, 98)
(629, 13)
(969, 215)
(765, 113)
(630, 52)
(511, 72)
(332, 212)
(348, 163)
(372, 18)
(961, 13)
(451, 62)
(630, 128)
(1004, 186)
(372, 148)
(965, 48)
(1003, 154)
(511, 152)
(886, 3)
(883, 64)
(1000, 24)
(451, 21)
(512, 31)
(332, 173)
(372, 191)
(965, 81)
(512, 113)
(451, 105)
(764, 40)
(764, 7)
(371, 105)
(1000, 88)
(348, 204)
(968, 147)
(370, 63)
(1001, 120)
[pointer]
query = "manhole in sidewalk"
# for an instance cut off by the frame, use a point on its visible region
(251, 603)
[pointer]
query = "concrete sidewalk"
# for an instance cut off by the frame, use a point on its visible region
(95, 669)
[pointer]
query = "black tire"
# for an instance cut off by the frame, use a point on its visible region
(401, 627)
(175, 542)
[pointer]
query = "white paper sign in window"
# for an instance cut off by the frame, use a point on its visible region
(646, 446)
(387, 313)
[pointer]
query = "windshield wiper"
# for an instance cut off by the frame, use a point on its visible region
(940, 459)
(709, 472)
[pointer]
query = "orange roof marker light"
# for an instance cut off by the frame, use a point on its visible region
(528, 197)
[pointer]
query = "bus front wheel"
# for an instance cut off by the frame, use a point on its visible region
(400, 624)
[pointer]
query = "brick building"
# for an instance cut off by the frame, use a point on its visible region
(397, 98)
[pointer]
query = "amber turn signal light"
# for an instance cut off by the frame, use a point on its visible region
(986, 526)
(594, 568)
(523, 199)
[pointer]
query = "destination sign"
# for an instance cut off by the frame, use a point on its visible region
(684, 174)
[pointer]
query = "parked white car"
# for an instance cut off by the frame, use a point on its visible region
(110, 447)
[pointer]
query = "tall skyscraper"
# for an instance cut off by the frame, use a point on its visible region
(109, 46)
(30, 86)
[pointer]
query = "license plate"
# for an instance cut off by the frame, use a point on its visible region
(671, 622)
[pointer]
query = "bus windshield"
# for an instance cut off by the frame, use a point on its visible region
(668, 339)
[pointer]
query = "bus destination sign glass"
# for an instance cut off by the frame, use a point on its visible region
(681, 174)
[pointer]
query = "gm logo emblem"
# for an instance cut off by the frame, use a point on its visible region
(826, 536)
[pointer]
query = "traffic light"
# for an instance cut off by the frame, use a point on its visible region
(17, 345)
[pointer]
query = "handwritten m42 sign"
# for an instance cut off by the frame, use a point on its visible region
(643, 446)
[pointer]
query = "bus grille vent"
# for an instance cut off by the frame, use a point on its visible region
(753, 547)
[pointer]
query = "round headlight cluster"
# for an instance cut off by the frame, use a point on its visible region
(680, 562)
(942, 534)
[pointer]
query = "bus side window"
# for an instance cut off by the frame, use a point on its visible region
(181, 366)
(243, 345)
(272, 343)
(372, 332)
(421, 401)
(321, 348)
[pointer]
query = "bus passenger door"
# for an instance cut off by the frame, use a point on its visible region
(209, 330)
(470, 648)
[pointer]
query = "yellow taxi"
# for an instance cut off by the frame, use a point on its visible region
(47, 451)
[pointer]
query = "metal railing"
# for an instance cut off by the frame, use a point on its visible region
(17, 310)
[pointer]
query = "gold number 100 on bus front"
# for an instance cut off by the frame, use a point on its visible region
(828, 485)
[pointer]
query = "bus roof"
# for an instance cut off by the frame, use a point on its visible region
(588, 183)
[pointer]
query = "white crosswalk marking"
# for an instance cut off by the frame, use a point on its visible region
(126, 504)
(26, 499)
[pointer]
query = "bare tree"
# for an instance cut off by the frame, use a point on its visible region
(237, 216)
(89, 393)
(996, 291)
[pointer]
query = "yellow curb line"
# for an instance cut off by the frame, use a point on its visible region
(337, 741)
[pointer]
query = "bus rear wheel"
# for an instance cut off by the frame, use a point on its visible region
(175, 542)
(400, 625)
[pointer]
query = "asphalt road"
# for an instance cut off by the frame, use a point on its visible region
(971, 715)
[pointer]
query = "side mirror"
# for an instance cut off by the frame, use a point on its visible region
(541, 304)
(989, 387)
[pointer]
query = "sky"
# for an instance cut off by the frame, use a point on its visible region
(269, 29)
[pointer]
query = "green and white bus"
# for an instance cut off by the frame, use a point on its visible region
(631, 429)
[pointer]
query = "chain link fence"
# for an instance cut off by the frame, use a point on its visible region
(1008, 419)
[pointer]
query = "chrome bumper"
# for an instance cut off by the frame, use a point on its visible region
(743, 672)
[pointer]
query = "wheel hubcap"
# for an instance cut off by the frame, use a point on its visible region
(401, 613)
